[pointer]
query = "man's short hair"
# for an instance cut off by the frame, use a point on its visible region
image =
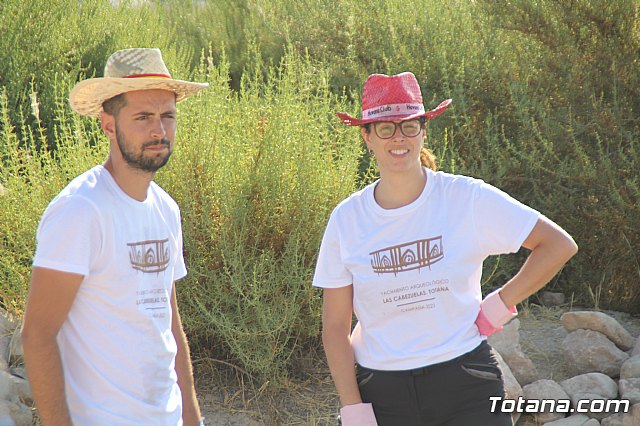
(112, 106)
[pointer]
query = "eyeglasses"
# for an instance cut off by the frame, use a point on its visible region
(386, 129)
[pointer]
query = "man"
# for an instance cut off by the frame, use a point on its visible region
(102, 336)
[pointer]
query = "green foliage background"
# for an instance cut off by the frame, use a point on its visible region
(546, 100)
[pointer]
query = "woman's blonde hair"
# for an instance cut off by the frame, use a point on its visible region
(428, 159)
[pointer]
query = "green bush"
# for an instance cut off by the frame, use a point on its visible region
(573, 135)
(257, 174)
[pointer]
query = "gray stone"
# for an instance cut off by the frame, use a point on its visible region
(15, 414)
(636, 348)
(632, 418)
(599, 411)
(16, 355)
(603, 323)
(545, 389)
(630, 389)
(631, 368)
(5, 342)
(575, 420)
(549, 298)
(7, 387)
(512, 388)
(22, 390)
(8, 324)
(5, 415)
(594, 383)
(588, 351)
(507, 343)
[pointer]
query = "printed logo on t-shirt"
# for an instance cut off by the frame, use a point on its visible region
(150, 256)
(407, 256)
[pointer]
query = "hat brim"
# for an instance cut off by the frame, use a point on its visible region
(87, 97)
(352, 121)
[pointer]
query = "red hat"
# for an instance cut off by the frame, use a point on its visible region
(392, 98)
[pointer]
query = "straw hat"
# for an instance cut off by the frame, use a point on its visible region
(125, 71)
(392, 98)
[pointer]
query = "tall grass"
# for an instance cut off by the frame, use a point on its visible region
(545, 107)
(257, 174)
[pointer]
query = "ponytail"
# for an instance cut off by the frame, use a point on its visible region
(428, 159)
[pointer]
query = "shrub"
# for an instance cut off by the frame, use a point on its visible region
(574, 134)
(257, 175)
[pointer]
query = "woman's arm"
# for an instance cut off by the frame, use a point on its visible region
(337, 312)
(551, 247)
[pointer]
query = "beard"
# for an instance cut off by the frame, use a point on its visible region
(138, 160)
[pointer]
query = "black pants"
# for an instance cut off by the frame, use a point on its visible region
(452, 393)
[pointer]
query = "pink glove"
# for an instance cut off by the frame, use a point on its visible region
(358, 415)
(493, 314)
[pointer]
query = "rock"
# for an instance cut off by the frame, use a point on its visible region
(603, 323)
(545, 389)
(593, 383)
(5, 342)
(507, 343)
(512, 388)
(22, 390)
(7, 322)
(591, 422)
(630, 389)
(7, 389)
(588, 351)
(630, 380)
(636, 348)
(15, 414)
(16, 355)
(14, 389)
(5, 415)
(575, 420)
(632, 418)
(598, 405)
(7, 327)
(631, 368)
(549, 298)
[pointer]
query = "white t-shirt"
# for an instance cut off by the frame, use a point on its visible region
(416, 270)
(117, 348)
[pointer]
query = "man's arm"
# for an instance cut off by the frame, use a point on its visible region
(50, 298)
(190, 408)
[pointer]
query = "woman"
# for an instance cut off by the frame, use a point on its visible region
(405, 254)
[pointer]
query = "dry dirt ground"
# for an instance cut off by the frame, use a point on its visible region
(310, 398)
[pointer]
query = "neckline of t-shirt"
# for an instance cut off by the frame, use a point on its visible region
(422, 198)
(111, 182)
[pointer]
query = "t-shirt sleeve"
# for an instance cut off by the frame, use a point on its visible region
(330, 269)
(68, 236)
(502, 223)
